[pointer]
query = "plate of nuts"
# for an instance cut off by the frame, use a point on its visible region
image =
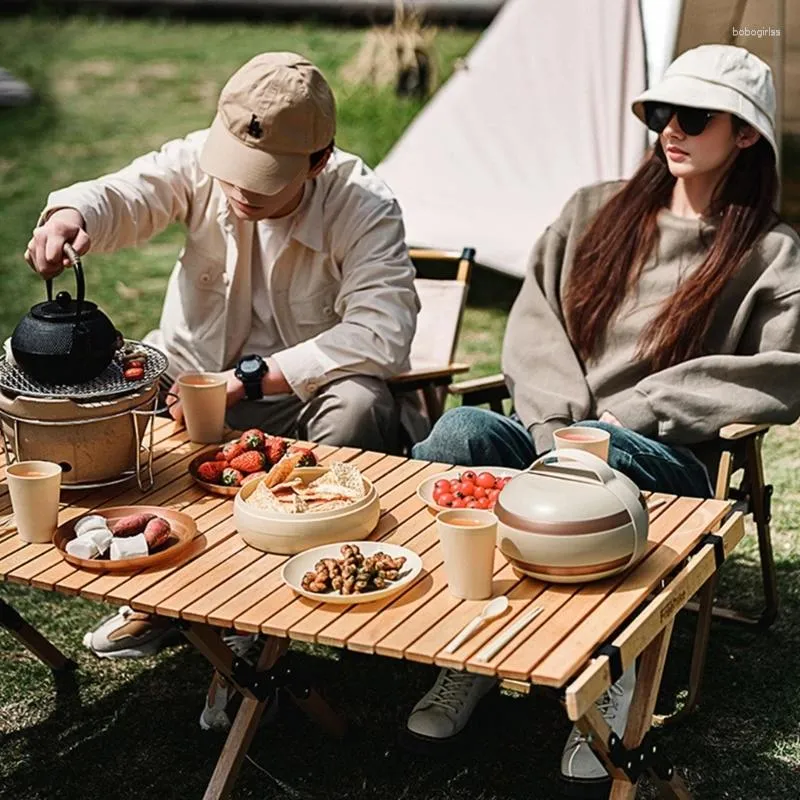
(352, 573)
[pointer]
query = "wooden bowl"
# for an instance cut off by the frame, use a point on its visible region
(184, 529)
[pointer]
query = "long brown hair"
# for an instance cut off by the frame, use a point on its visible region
(610, 255)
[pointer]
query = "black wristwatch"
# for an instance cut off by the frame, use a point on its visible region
(250, 370)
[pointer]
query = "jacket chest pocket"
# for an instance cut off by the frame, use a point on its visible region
(203, 285)
(314, 312)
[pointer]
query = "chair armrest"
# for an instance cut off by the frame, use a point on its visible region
(495, 383)
(429, 374)
(741, 430)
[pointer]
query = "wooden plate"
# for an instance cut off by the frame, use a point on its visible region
(184, 529)
(297, 566)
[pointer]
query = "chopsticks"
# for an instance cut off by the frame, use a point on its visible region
(500, 641)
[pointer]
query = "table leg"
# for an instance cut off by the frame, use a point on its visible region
(605, 744)
(24, 632)
(256, 684)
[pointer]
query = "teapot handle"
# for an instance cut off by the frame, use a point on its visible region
(75, 261)
(587, 462)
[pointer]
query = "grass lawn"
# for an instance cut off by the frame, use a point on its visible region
(110, 90)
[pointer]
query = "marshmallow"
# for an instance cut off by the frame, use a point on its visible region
(90, 523)
(128, 547)
(101, 537)
(82, 548)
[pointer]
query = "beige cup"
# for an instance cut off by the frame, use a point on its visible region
(593, 440)
(203, 397)
(468, 537)
(35, 487)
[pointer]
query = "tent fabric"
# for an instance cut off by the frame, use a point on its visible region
(541, 107)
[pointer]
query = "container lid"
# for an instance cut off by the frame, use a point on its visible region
(63, 309)
(560, 495)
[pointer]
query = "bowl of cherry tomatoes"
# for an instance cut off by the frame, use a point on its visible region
(473, 487)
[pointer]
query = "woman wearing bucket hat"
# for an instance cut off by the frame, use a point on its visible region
(660, 308)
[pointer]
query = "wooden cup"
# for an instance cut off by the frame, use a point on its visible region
(203, 397)
(576, 437)
(468, 537)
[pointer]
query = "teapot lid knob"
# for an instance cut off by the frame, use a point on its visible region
(64, 299)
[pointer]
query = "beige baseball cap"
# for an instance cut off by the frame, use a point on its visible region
(272, 114)
(719, 77)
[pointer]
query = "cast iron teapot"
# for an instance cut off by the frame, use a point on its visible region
(65, 340)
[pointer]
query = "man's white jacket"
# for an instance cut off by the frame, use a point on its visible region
(341, 290)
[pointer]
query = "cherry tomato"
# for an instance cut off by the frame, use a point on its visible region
(472, 503)
(436, 495)
(455, 485)
(459, 502)
(485, 479)
(446, 499)
(493, 494)
(467, 488)
(469, 475)
(484, 503)
(442, 485)
(479, 493)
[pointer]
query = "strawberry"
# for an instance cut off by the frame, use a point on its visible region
(254, 476)
(251, 461)
(232, 477)
(253, 439)
(220, 456)
(211, 471)
(308, 459)
(233, 449)
(276, 449)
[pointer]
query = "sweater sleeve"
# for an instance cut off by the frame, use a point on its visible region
(543, 373)
(691, 402)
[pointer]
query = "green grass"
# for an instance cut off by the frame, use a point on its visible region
(108, 91)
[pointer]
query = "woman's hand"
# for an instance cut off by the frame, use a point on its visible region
(609, 418)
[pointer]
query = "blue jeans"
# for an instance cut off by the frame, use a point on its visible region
(476, 437)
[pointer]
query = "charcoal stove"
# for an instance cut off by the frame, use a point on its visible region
(96, 430)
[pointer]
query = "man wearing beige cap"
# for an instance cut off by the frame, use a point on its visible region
(294, 279)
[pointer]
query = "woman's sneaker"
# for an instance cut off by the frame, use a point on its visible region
(130, 634)
(445, 710)
(582, 772)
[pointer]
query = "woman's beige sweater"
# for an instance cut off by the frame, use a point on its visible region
(751, 375)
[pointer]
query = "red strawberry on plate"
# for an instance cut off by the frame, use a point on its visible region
(233, 449)
(232, 477)
(308, 459)
(211, 471)
(251, 461)
(276, 449)
(220, 456)
(253, 439)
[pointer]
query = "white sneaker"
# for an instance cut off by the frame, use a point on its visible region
(218, 710)
(130, 634)
(445, 710)
(582, 772)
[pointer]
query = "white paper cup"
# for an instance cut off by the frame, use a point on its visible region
(468, 550)
(576, 437)
(203, 397)
(35, 487)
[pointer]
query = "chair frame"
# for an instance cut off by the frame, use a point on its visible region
(753, 492)
(434, 382)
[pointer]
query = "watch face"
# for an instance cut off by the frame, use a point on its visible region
(250, 366)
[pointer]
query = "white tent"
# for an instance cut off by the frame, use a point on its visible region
(541, 107)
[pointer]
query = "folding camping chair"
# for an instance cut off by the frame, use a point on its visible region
(442, 285)
(741, 449)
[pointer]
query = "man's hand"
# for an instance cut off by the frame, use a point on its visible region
(45, 251)
(608, 417)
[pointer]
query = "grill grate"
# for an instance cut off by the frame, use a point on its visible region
(110, 382)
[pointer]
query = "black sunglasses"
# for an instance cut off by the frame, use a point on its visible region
(693, 121)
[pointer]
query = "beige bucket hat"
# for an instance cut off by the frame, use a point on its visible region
(272, 114)
(719, 77)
